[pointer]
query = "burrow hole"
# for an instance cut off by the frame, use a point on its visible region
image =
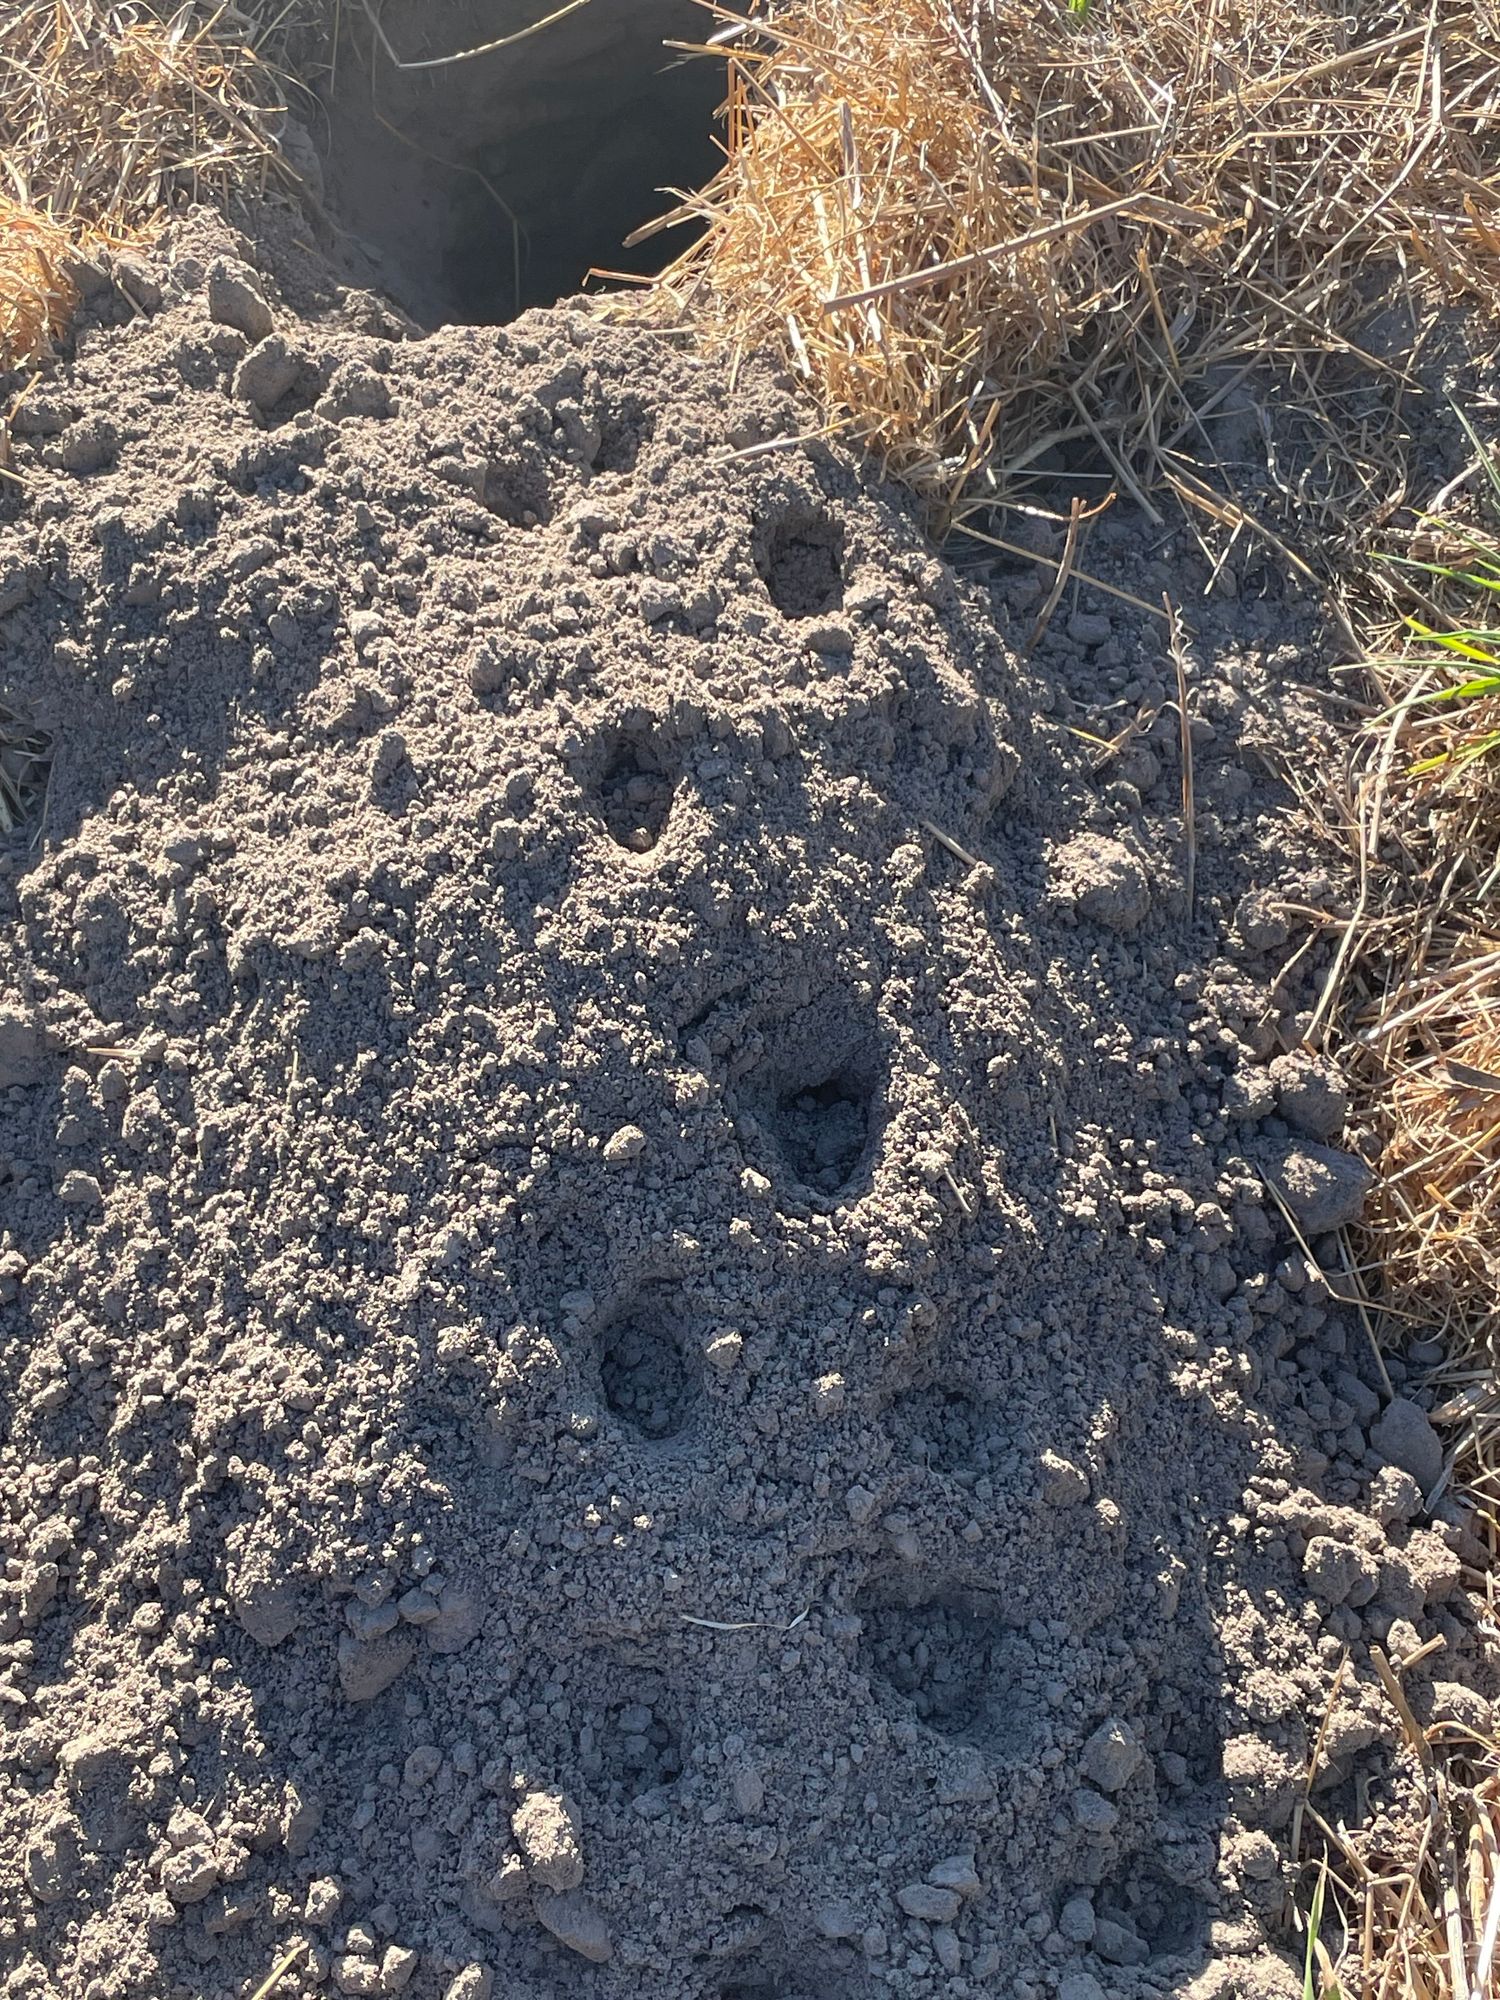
(819, 1092)
(631, 1748)
(800, 557)
(1153, 1916)
(943, 1429)
(488, 185)
(644, 1370)
(623, 428)
(636, 792)
(953, 1662)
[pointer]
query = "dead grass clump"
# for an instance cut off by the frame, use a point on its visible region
(36, 293)
(1423, 1007)
(1407, 1906)
(988, 230)
(111, 116)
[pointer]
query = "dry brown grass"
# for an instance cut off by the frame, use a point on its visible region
(986, 230)
(1417, 1001)
(1422, 1003)
(112, 116)
(1409, 1907)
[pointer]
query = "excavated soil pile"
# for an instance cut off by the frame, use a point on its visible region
(627, 1374)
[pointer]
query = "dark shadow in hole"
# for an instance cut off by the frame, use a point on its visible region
(818, 1093)
(635, 794)
(516, 488)
(954, 1663)
(497, 183)
(622, 432)
(634, 1748)
(943, 1429)
(1152, 1917)
(645, 1375)
(824, 1129)
(800, 558)
(806, 1970)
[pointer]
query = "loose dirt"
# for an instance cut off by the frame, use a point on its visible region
(647, 1343)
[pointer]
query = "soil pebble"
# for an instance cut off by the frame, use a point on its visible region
(1404, 1438)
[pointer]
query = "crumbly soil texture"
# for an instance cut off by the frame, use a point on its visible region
(650, 1338)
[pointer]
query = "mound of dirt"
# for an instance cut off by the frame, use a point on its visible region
(645, 1341)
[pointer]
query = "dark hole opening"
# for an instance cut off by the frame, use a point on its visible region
(646, 1379)
(823, 1130)
(801, 563)
(635, 796)
(486, 186)
(953, 1662)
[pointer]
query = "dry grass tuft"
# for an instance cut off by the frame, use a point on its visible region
(1423, 1006)
(1420, 1003)
(36, 293)
(111, 117)
(988, 230)
(1408, 1907)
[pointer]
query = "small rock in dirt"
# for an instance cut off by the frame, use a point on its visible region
(137, 281)
(747, 1789)
(50, 1858)
(828, 1395)
(949, 1951)
(236, 299)
(89, 447)
(575, 1921)
(1063, 1483)
(266, 1610)
(1259, 920)
(368, 1666)
(1080, 1986)
(79, 1190)
(190, 1875)
(268, 372)
(1093, 1811)
(475, 1982)
(1105, 880)
(1338, 1573)
(1404, 1437)
(1112, 1756)
(624, 1145)
(957, 1872)
(421, 1766)
(1395, 1497)
(1323, 1189)
(1076, 1920)
(1310, 1094)
(545, 1825)
(460, 1618)
(929, 1903)
(724, 1350)
(398, 1967)
(1089, 628)
(1117, 1945)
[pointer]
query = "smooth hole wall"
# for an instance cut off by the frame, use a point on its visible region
(489, 185)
